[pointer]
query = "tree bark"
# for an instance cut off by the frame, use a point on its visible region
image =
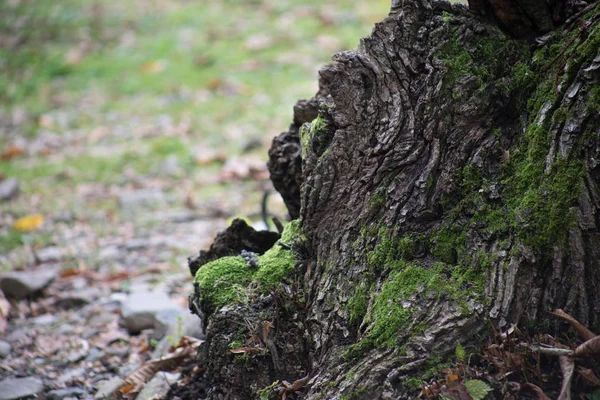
(449, 178)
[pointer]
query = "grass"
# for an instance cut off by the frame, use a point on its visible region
(229, 69)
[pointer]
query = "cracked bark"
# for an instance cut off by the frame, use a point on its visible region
(399, 123)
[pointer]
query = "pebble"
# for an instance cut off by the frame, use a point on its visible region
(21, 284)
(140, 198)
(141, 308)
(9, 188)
(170, 167)
(5, 349)
(95, 354)
(49, 254)
(109, 253)
(20, 388)
(187, 325)
(107, 388)
(72, 374)
(46, 319)
(60, 394)
(159, 386)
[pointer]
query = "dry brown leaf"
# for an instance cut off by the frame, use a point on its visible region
(536, 389)
(299, 383)
(589, 348)
(127, 388)
(11, 152)
(186, 348)
(247, 350)
(567, 366)
(584, 332)
(153, 67)
(589, 376)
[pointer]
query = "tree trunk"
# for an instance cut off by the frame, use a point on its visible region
(445, 176)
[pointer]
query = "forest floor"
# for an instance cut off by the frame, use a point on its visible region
(130, 133)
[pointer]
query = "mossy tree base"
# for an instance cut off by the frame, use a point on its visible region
(449, 179)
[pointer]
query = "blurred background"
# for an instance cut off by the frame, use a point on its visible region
(132, 131)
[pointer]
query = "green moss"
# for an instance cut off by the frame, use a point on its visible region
(236, 344)
(229, 279)
(274, 266)
(292, 234)
(313, 136)
(359, 302)
(223, 281)
(378, 200)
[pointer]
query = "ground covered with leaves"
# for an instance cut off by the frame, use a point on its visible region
(130, 133)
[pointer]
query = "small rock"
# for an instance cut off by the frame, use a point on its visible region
(140, 198)
(137, 244)
(159, 386)
(95, 354)
(71, 375)
(5, 349)
(107, 388)
(60, 394)
(109, 253)
(21, 284)
(46, 319)
(187, 325)
(170, 167)
(49, 254)
(9, 188)
(20, 388)
(141, 308)
(64, 216)
(78, 298)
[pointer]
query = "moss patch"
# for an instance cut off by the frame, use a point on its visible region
(274, 266)
(223, 281)
(229, 279)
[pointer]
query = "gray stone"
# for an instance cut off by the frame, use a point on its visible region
(21, 284)
(20, 388)
(5, 349)
(64, 216)
(95, 354)
(187, 325)
(107, 388)
(141, 308)
(170, 167)
(60, 394)
(46, 319)
(109, 253)
(72, 374)
(159, 386)
(140, 198)
(49, 254)
(9, 188)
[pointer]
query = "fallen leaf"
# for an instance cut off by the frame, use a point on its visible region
(589, 376)
(567, 366)
(536, 389)
(185, 349)
(127, 389)
(584, 332)
(153, 67)
(589, 348)
(29, 223)
(11, 152)
(247, 350)
(477, 389)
